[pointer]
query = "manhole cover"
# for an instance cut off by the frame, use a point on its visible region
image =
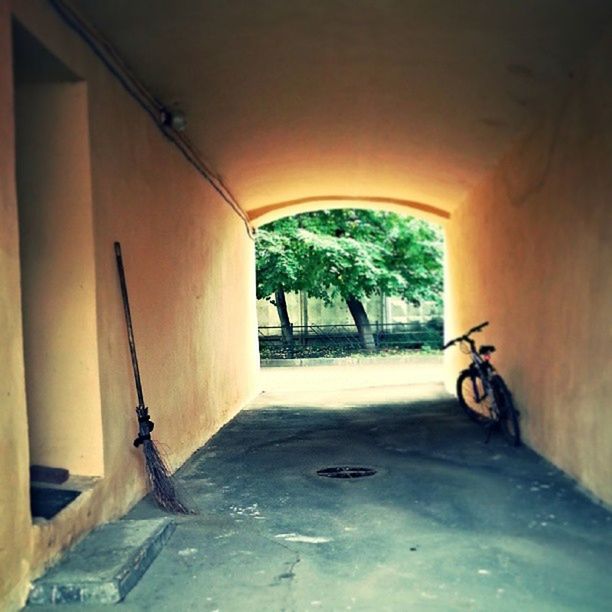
(346, 472)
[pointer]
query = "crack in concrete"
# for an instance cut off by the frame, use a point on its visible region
(286, 578)
(288, 575)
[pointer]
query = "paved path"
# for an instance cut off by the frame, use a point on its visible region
(337, 386)
(447, 523)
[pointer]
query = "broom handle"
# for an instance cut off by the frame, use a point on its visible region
(128, 322)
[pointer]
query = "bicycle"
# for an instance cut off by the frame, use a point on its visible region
(482, 392)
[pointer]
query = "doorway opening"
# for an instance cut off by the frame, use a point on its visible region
(57, 276)
(349, 282)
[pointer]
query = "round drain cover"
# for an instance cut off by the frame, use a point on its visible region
(346, 471)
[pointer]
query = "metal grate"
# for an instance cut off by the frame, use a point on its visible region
(346, 471)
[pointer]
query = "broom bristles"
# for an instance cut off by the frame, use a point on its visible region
(162, 487)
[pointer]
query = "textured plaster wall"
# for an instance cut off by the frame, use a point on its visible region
(190, 271)
(15, 524)
(531, 251)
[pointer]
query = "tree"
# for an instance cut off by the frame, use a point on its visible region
(278, 269)
(355, 254)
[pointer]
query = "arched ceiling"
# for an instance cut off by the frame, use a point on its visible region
(402, 100)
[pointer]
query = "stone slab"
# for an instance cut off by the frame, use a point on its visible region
(106, 565)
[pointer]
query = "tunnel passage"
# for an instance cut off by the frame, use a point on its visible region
(495, 112)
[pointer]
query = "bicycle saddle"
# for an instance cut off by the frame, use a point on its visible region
(486, 348)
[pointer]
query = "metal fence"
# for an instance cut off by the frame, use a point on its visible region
(345, 338)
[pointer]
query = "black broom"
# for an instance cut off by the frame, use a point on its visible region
(162, 487)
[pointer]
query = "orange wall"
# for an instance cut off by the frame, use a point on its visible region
(15, 525)
(190, 271)
(531, 250)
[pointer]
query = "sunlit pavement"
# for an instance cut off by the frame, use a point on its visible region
(446, 523)
(385, 381)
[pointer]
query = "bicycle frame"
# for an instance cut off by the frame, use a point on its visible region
(483, 367)
(486, 383)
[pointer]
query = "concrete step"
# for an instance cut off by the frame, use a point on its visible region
(105, 566)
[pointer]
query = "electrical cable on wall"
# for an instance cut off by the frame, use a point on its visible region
(167, 122)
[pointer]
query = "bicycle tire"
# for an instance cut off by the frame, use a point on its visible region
(480, 412)
(508, 414)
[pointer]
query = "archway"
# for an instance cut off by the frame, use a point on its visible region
(277, 210)
(338, 280)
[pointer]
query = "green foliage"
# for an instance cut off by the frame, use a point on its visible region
(277, 251)
(350, 253)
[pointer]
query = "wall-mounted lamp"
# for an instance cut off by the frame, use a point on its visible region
(174, 119)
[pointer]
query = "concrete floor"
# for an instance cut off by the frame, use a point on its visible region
(447, 523)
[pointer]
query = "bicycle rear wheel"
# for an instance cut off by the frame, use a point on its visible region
(508, 414)
(472, 398)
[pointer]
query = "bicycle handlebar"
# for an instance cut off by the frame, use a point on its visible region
(466, 336)
(477, 328)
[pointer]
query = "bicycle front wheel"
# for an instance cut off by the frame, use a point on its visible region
(476, 403)
(508, 414)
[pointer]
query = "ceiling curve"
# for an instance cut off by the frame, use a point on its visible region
(271, 212)
(405, 100)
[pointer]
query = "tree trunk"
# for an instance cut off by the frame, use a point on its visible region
(283, 315)
(360, 316)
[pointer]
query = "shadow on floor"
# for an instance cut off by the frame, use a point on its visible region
(446, 522)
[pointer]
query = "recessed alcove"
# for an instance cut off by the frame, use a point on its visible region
(58, 287)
